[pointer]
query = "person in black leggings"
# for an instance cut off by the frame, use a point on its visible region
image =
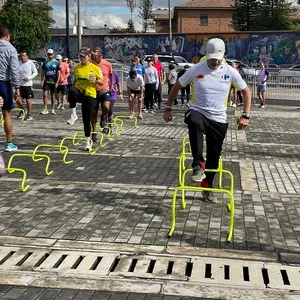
(87, 76)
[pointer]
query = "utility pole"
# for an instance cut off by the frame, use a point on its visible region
(170, 27)
(67, 28)
(79, 24)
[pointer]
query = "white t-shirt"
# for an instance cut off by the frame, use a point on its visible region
(28, 70)
(136, 83)
(262, 76)
(211, 88)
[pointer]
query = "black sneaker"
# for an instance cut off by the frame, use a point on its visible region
(20, 115)
(102, 121)
(105, 130)
(198, 174)
(209, 197)
(29, 117)
(94, 137)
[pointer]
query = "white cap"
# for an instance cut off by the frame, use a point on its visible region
(215, 48)
(58, 56)
(50, 51)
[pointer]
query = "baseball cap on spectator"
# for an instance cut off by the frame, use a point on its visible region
(148, 59)
(215, 48)
(50, 51)
(58, 57)
(65, 59)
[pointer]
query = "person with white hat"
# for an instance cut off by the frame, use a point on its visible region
(62, 83)
(50, 76)
(207, 115)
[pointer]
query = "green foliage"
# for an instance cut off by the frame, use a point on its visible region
(28, 23)
(262, 15)
(145, 13)
(130, 26)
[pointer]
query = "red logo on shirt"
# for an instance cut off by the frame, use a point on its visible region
(200, 76)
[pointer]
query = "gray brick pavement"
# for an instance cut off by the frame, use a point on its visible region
(122, 194)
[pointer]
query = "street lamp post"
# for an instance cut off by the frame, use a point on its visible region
(67, 29)
(170, 27)
(79, 24)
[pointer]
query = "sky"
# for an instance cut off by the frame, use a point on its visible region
(113, 13)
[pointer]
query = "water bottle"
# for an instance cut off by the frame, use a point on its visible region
(91, 76)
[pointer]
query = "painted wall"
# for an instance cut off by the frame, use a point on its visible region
(273, 47)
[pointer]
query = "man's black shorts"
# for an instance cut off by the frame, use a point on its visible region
(102, 97)
(26, 92)
(49, 87)
(62, 89)
(135, 92)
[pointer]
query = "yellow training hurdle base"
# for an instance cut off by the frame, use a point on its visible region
(183, 188)
(35, 157)
(134, 118)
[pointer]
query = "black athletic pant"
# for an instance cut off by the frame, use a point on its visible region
(158, 95)
(215, 134)
(149, 91)
(87, 107)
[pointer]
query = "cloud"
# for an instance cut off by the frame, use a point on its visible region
(113, 13)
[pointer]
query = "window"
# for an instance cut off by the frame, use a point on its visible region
(203, 19)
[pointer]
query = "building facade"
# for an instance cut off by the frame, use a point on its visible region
(197, 16)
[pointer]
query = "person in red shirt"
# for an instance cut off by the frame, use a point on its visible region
(103, 92)
(62, 83)
(161, 75)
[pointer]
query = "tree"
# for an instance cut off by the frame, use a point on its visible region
(130, 26)
(145, 13)
(245, 12)
(28, 23)
(262, 15)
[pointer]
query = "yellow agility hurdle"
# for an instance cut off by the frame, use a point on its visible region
(119, 124)
(81, 137)
(187, 152)
(11, 169)
(184, 188)
(102, 134)
(23, 113)
(134, 118)
(62, 149)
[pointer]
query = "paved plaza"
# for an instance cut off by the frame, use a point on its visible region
(119, 198)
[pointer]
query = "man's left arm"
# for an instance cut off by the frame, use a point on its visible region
(14, 73)
(243, 120)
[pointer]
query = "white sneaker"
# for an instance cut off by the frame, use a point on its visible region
(87, 145)
(62, 107)
(145, 110)
(152, 111)
(233, 105)
(155, 105)
(58, 106)
(72, 120)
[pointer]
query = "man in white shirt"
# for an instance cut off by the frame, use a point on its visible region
(27, 71)
(212, 80)
(262, 78)
(135, 88)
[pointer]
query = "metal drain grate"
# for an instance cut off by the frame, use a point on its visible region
(230, 272)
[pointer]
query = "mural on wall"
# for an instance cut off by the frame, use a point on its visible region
(276, 48)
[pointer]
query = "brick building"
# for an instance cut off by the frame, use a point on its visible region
(197, 16)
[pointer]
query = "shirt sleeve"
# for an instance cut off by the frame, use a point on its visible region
(34, 71)
(189, 75)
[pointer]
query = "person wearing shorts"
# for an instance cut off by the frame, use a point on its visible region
(135, 88)
(27, 71)
(50, 77)
(9, 77)
(62, 89)
(262, 78)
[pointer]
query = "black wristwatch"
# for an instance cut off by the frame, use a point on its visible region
(246, 115)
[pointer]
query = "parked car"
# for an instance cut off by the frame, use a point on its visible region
(248, 71)
(289, 75)
(165, 60)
